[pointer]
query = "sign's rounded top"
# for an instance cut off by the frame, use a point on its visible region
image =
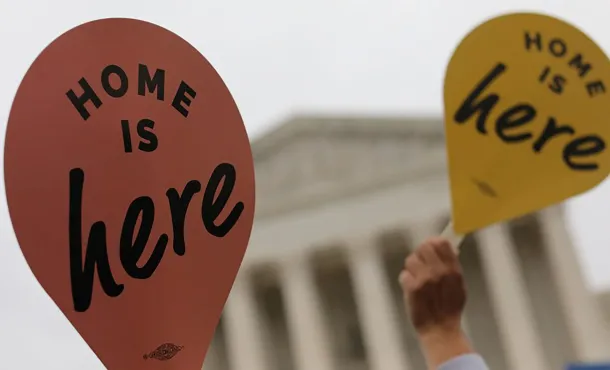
(130, 186)
(525, 105)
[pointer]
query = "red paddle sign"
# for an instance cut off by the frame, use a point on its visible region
(130, 185)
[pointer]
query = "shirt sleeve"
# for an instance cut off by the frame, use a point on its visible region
(465, 362)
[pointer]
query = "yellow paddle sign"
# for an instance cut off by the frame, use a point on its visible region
(527, 118)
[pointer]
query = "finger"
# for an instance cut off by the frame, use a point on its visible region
(445, 252)
(407, 281)
(427, 253)
(417, 250)
(414, 265)
(401, 277)
(404, 266)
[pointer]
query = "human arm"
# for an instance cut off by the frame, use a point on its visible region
(450, 351)
(434, 292)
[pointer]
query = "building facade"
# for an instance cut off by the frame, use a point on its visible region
(340, 203)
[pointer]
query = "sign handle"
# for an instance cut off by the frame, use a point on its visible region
(454, 239)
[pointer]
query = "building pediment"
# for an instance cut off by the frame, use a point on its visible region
(311, 158)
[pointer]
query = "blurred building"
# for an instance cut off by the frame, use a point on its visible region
(604, 299)
(340, 202)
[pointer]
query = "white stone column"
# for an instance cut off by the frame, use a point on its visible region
(510, 300)
(375, 307)
(212, 357)
(308, 333)
(243, 328)
(585, 322)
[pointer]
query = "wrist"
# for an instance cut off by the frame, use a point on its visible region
(441, 345)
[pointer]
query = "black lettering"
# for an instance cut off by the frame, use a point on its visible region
(79, 101)
(131, 250)
(583, 147)
(181, 97)
(211, 208)
(111, 91)
(596, 87)
(557, 83)
(544, 74)
(536, 40)
(149, 141)
(551, 130)
(484, 107)
(126, 135)
(577, 62)
(558, 47)
(155, 82)
(178, 205)
(516, 116)
(96, 252)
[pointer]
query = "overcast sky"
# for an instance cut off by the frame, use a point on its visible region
(278, 57)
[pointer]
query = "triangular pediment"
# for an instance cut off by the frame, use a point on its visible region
(311, 157)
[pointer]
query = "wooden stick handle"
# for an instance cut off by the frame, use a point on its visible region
(454, 239)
